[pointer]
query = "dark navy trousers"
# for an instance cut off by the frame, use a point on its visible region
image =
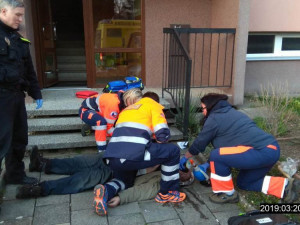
(166, 155)
(253, 165)
(13, 132)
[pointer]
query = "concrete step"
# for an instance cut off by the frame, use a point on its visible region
(71, 67)
(71, 59)
(72, 75)
(55, 108)
(64, 102)
(59, 124)
(70, 51)
(54, 124)
(75, 140)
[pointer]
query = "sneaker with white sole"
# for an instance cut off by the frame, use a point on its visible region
(100, 200)
(171, 196)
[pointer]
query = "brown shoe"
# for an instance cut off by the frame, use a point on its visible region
(291, 190)
(221, 198)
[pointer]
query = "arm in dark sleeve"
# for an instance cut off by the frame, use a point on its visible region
(204, 138)
(34, 88)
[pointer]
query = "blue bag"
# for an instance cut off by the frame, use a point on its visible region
(123, 85)
(134, 82)
(115, 86)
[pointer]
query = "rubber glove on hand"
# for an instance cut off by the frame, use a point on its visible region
(182, 163)
(39, 103)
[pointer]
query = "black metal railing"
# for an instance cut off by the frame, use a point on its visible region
(195, 58)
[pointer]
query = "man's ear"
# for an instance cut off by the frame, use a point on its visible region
(3, 10)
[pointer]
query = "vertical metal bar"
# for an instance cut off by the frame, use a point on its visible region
(202, 59)
(217, 60)
(187, 99)
(193, 62)
(232, 59)
(174, 72)
(171, 67)
(225, 61)
(168, 60)
(180, 75)
(209, 58)
(164, 62)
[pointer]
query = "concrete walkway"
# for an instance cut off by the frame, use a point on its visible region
(76, 209)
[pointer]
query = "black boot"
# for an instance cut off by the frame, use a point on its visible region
(24, 180)
(29, 191)
(86, 130)
(37, 162)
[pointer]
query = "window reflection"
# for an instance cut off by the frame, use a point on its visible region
(118, 42)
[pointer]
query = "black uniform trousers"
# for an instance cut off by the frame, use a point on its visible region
(13, 132)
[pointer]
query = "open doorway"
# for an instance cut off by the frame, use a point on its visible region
(67, 16)
(59, 34)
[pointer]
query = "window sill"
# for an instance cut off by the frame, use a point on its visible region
(271, 58)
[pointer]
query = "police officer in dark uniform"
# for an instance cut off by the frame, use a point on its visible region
(17, 76)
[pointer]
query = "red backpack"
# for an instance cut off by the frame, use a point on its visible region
(85, 94)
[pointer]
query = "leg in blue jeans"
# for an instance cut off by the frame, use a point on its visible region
(69, 166)
(85, 171)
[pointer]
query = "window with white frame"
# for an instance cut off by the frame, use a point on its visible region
(272, 46)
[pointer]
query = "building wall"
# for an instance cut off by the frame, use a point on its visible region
(160, 14)
(234, 14)
(274, 15)
(198, 14)
(275, 73)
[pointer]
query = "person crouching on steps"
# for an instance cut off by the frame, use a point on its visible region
(100, 112)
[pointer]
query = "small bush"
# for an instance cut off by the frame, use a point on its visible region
(280, 108)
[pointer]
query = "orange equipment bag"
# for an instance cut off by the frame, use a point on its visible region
(85, 94)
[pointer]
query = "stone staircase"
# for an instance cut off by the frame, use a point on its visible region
(71, 62)
(57, 125)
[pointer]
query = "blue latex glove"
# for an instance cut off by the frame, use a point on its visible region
(39, 103)
(200, 172)
(182, 163)
(204, 166)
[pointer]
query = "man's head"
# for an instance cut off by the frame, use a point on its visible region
(132, 96)
(12, 12)
(152, 95)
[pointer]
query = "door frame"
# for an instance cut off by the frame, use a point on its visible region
(89, 43)
(87, 6)
(43, 46)
(37, 40)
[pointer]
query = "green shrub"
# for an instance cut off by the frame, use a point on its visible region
(280, 107)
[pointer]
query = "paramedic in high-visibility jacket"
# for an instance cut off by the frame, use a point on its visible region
(131, 148)
(238, 143)
(101, 112)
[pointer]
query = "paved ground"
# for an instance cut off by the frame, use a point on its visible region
(76, 209)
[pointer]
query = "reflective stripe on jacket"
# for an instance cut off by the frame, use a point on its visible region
(135, 126)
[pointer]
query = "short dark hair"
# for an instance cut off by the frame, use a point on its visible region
(211, 99)
(152, 95)
(12, 3)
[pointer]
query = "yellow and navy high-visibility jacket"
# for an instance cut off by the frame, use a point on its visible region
(106, 105)
(134, 129)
